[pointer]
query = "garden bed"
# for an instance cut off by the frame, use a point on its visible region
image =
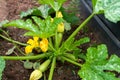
(14, 70)
(106, 31)
(10, 9)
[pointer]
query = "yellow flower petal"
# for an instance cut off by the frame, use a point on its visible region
(60, 27)
(59, 14)
(35, 75)
(52, 19)
(33, 43)
(36, 38)
(30, 41)
(36, 44)
(44, 45)
(28, 49)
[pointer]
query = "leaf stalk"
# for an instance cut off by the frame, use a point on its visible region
(52, 68)
(26, 57)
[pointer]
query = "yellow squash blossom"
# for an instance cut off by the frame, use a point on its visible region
(59, 14)
(60, 27)
(28, 49)
(35, 75)
(44, 45)
(32, 44)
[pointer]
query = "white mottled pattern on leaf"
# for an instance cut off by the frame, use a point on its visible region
(2, 66)
(111, 9)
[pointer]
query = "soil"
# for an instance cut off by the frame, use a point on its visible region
(14, 70)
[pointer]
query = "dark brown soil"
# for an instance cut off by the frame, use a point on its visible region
(14, 70)
(10, 9)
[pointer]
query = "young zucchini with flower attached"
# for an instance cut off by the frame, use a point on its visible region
(44, 65)
(60, 27)
(59, 38)
(37, 74)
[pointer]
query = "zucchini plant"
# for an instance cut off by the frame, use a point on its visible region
(47, 31)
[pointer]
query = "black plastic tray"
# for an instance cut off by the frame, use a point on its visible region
(114, 28)
(107, 32)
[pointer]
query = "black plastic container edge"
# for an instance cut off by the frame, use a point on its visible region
(107, 36)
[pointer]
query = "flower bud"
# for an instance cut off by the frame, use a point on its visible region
(35, 75)
(44, 45)
(59, 14)
(60, 27)
(52, 19)
(43, 67)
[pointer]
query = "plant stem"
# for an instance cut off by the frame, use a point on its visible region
(26, 57)
(56, 40)
(52, 68)
(44, 76)
(80, 27)
(12, 40)
(4, 32)
(59, 37)
(50, 42)
(71, 61)
(51, 47)
(70, 56)
(19, 50)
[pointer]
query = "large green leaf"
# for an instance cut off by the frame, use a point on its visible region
(28, 25)
(94, 3)
(73, 44)
(41, 28)
(2, 66)
(55, 4)
(97, 54)
(31, 12)
(46, 27)
(98, 66)
(111, 9)
(42, 11)
(45, 1)
(60, 1)
(114, 61)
